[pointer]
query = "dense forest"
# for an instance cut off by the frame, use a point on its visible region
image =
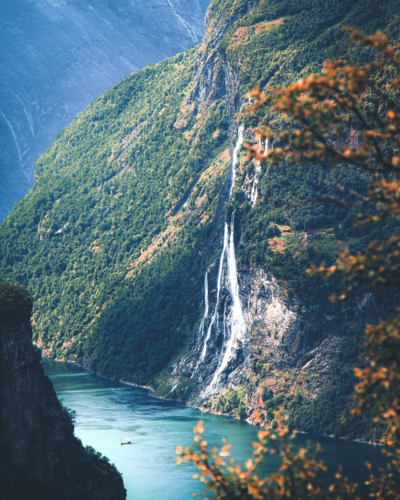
(104, 237)
(108, 239)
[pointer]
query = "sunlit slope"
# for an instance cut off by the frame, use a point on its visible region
(120, 187)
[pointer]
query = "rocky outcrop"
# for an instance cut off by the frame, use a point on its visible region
(292, 333)
(288, 333)
(40, 456)
(213, 77)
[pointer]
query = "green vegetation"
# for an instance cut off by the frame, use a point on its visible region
(234, 401)
(106, 238)
(298, 198)
(15, 303)
(280, 40)
(274, 44)
(329, 412)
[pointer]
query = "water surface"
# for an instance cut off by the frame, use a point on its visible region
(107, 411)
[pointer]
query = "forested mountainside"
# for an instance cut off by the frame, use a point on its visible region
(157, 255)
(40, 456)
(56, 56)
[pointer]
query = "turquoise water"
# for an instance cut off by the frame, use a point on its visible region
(107, 411)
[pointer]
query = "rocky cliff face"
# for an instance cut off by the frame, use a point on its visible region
(293, 335)
(40, 456)
(292, 331)
(285, 334)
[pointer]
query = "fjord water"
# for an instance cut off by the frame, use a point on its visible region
(107, 411)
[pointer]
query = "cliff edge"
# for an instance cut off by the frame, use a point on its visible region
(40, 456)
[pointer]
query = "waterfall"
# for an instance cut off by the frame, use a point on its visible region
(234, 158)
(254, 193)
(234, 327)
(206, 306)
(254, 190)
(214, 317)
(206, 295)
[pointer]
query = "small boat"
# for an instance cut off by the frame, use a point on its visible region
(126, 441)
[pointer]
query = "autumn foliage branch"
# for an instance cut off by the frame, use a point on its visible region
(298, 476)
(325, 106)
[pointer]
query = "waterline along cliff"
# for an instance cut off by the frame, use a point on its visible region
(157, 255)
(40, 456)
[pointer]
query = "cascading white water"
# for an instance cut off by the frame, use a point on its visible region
(206, 295)
(235, 328)
(214, 317)
(201, 329)
(254, 193)
(234, 157)
(254, 190)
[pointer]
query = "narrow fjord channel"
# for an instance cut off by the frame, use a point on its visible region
(107, 411)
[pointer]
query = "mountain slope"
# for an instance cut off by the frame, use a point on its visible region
(124, 243)
(57, 56)
(121, 196)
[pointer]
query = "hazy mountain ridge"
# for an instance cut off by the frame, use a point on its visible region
(58, 55)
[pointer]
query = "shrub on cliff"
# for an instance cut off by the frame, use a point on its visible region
(15, 303)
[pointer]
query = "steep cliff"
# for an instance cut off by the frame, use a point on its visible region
(159, 256)
(269, 336)
(40, 456)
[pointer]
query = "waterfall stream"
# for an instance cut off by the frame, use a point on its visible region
(206, 307)
(234, 327)
(254, 190)
(215, 315)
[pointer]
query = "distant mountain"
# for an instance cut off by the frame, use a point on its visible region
(57, 55)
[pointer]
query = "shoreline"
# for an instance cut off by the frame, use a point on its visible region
(131, 384)
(206, 410)
(249, 421)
